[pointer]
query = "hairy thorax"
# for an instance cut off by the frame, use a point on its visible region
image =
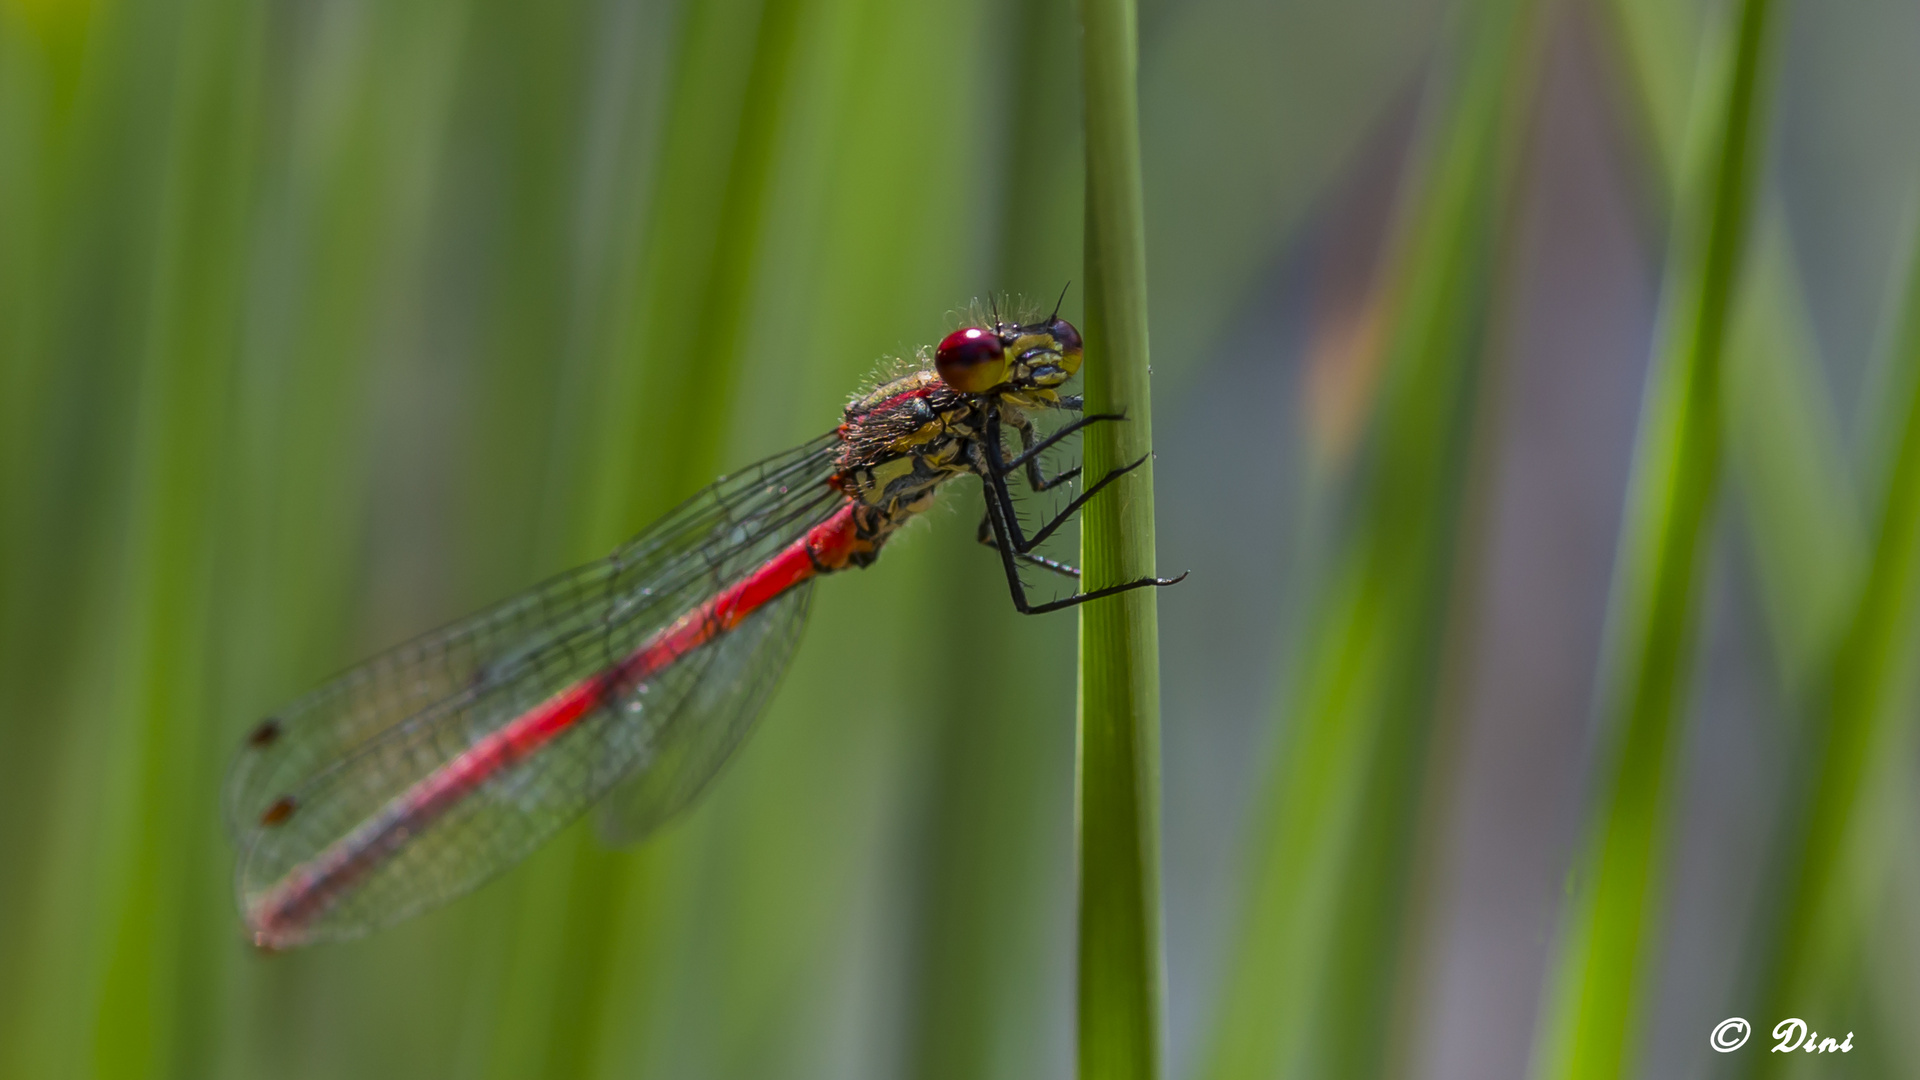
(901, 442)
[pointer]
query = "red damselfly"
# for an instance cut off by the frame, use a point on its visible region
(414, 777)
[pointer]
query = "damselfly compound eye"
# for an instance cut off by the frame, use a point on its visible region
(1069, 341)
(1064, 333)
(971, 361)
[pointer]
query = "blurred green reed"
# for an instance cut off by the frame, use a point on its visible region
(1837, 621)
(322, 322)
(597, 255)
(1857, 704)
(1588, 1025)
(1796, 489)
(1785, 454)
(660, 432)
(1326, 937)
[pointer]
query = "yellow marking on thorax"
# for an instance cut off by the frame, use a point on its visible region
(880, 477)
(919, 436)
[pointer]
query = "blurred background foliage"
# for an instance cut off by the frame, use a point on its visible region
(325, 321)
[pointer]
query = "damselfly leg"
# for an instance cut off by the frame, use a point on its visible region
(1010, 538)
(985, 536)
(1030, 450)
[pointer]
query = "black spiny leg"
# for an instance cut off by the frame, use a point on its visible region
(985, 536)
(1037, 479)
(996, 478)
(1030, 451)
(995, 486)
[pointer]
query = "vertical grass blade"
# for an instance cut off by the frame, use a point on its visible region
(1590, 1024)
(1786, 456)
(1120, 992)
(1834, 632)
(1860, 721)
(1787, 462)
(659, 424)
(983, 982)
(1323, 941)
(110, 1000)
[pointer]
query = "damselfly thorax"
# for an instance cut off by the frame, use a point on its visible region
(912, 434)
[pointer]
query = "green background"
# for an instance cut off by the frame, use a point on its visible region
(323, 322)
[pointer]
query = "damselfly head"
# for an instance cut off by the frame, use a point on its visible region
(1045, 354)
(994, 356)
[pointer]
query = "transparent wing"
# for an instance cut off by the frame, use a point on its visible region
(331, 762)
(686, 751)
(456, 662)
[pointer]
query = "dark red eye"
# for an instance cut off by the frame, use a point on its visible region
(971, 361)
(1064, 333)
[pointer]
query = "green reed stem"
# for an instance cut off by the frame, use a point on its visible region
(1591, 1023)
(1330, 924)
(1859, 700)
(1119, 727)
